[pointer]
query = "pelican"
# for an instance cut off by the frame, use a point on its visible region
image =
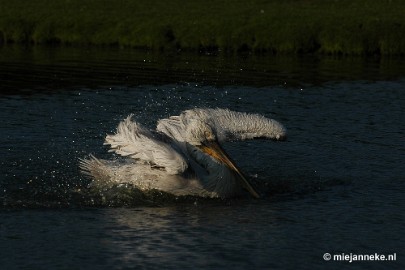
(183, 155)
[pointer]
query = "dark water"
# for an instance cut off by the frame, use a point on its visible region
(335, 186)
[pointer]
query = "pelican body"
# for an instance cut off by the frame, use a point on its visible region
(183, 155)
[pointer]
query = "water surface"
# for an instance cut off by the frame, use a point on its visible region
(335, 186)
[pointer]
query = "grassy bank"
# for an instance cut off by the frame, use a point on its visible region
(280, 26)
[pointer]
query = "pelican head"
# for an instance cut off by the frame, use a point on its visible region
(200, 135)
(198, 132)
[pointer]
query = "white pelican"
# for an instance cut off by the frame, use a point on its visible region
(182, 156)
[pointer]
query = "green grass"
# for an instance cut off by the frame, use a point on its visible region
(278, 26)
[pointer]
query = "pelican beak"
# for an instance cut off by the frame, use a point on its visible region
(213, 149)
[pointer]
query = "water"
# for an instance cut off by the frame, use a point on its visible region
(335, 186)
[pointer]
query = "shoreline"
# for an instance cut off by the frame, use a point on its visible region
(342, 27)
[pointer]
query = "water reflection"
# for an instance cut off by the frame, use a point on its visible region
(29, 70)
(162, 236)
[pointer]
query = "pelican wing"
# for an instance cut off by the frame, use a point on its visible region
(134, 141)
(172, 127)
(231, 125)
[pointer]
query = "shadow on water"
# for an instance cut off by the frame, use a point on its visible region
(31, 70)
